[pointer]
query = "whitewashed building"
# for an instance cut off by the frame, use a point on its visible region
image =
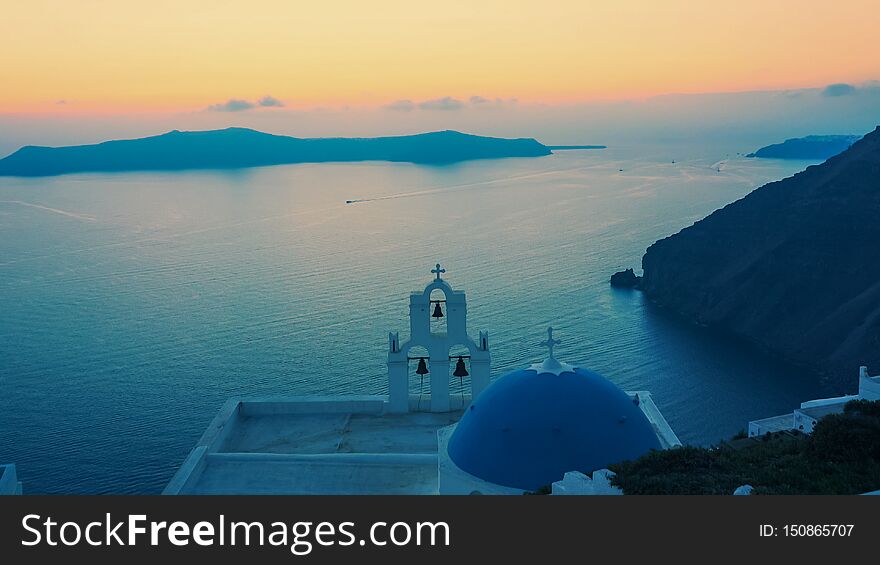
(810, 412)
(528, 429)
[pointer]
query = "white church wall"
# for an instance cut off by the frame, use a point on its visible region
(837, 400)
(869, 387)
(662, 429)
(803, 422)
(575, 483)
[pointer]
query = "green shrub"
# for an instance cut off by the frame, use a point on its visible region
(841, 456)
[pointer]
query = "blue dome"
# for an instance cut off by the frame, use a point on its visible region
(530, 427)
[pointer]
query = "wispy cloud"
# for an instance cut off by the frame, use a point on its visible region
(839, 89)
(401, 106)
(483, 102)
(241, 105)
(449, 103)
(232, 105)
(445, 103)
(270, 102)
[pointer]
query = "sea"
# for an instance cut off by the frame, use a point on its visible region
(132, 305)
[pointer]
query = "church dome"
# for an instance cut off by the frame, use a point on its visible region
(530, 427)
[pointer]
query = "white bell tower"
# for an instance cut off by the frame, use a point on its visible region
(438, 346)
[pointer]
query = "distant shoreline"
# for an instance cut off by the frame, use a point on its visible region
(570, 147)
(809, 148)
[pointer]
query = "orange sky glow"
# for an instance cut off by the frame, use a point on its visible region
(91, 56)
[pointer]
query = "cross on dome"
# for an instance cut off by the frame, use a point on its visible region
(550, 342)
(551, 364)
(438, 271)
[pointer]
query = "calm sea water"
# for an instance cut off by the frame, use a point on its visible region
(133, 305)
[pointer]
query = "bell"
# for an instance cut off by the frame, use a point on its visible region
(460, 369)
(422, 368)
(438, 313)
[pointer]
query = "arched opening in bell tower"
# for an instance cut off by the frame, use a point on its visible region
(460, 370)
(439, 313)
(418, 370)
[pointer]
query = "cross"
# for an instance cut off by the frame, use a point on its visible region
(550, 342)
(437, 270)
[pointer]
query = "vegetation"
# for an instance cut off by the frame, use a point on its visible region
(841, 456)
(544, 490)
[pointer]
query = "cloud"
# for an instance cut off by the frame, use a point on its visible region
(401, 106)
(270, 102)
(241, 105)
(232, 105)
(445, 103)
(483, 102)
(839, 89)
(61, 102)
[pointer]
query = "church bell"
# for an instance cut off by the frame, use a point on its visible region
(460, 369)
(438, 313)
(422, 369)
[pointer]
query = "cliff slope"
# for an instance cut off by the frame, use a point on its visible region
(793, 267)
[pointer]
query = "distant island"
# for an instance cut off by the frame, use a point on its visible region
(811, 147)
(234, 148)
(793, 267)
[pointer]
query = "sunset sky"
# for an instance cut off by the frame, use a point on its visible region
(123, 55)
(363, 68)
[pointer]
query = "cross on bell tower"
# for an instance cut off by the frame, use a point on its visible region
(439, 347)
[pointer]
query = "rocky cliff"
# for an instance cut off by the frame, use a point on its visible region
(793, 267)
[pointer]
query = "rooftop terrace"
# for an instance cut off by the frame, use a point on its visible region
(328, 445)
(346, 445)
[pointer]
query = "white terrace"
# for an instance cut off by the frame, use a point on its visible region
(330, 445)
(347, 445)
(358, 444)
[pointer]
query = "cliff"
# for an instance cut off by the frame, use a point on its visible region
(238, 147)
(793, 267)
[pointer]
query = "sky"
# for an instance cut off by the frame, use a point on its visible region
(71, 69)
